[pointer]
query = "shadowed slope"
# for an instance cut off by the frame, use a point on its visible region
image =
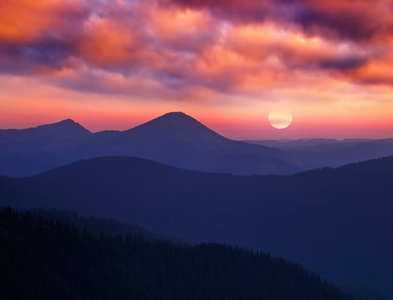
(175, 139)
(29, 151)
(337, 222)
(52, 260)
(179, 140)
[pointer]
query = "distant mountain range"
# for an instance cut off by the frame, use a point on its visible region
(318, 153)
(337, 222)
(178, 140)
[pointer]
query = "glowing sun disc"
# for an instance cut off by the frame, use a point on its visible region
(280, 119)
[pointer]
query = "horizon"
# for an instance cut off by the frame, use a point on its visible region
(116, 64)
(128, 128)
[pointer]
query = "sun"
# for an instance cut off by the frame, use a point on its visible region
(280, 118)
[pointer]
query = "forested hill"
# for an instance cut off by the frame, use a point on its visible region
(51, 260)
(337, 222)
(97, 225)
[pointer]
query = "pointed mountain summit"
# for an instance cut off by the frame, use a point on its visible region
(172, 120)
(179, 140)
(66, 128)
(63, 129)
(176, 124)
(175, 139)
(28, 151)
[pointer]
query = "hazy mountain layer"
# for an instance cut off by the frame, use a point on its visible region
(338, 222)
(318, 153)
(177, 140)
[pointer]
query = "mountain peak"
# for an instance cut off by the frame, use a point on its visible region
(177, 116)
(176, 124)
(67, 122)
(63, 128)
(176, 113)
(178, 120)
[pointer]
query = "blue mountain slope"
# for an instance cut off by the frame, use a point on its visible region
(30, 151)
(175, 139)
(179, 140)
(337, 222)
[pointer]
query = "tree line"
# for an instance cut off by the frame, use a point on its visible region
(44, 258)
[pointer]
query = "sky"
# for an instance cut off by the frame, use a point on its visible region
(115, 64)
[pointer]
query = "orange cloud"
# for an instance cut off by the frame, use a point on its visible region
(105, 42)
(183, 29)
(290, 45)
(193, 49)
(377, 71)
(28, 20)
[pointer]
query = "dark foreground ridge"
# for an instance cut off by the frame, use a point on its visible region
(52, 260)
(337, 222)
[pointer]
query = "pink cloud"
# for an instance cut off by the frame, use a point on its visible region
(170, 48)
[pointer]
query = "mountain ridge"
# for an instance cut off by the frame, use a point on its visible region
(337, 222)
(74, 263)
(178, 140)
(65, 128)
(174, 138)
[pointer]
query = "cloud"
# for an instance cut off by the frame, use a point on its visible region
(373, 72)
(351, 19)
(354, 20)
(235, 10)
(26, 21)
(38, 36)
(178, 48)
